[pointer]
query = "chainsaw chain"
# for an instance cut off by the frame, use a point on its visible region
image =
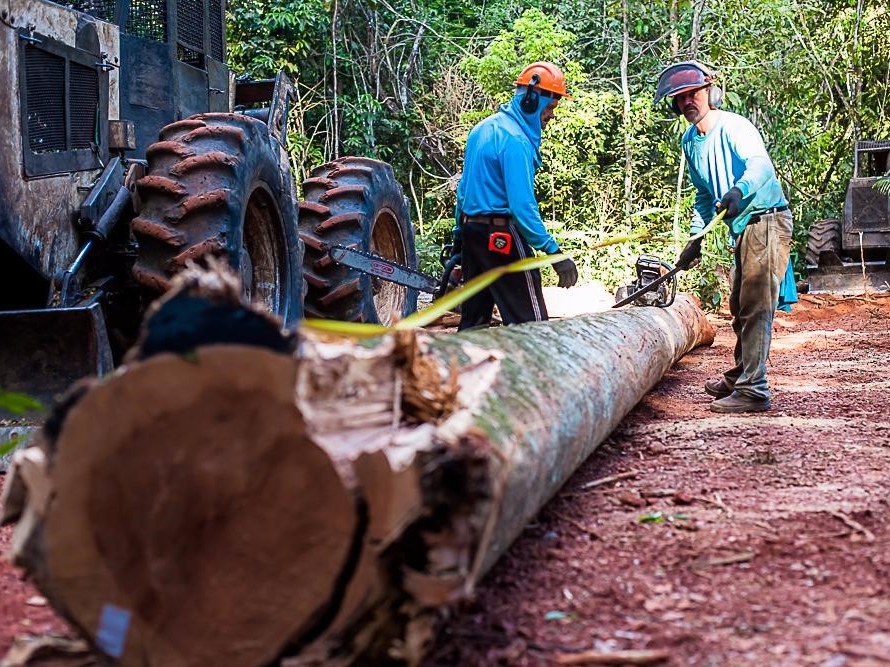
(371, 255)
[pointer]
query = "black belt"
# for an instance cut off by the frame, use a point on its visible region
(769, 211)
(497, 220)
(755, 218)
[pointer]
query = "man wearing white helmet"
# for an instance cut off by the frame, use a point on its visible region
(497, 218)
(732, 172)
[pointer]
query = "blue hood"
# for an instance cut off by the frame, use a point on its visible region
(530, 123)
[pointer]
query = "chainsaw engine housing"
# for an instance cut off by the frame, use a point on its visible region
(649, 269)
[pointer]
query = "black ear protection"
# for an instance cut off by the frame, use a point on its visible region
(715, 92)
(529, 101)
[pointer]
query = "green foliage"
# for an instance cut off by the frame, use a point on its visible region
(11, 444)
(534, 37)
(405, 80)
(18, 404)
(430, 244)
(265, 36)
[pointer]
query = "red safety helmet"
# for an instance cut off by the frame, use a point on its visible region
(685, 76)
(546, 77)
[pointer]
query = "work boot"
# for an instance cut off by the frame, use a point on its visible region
(717, 388)
(737, 403)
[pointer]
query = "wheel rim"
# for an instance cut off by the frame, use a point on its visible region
(387, 242)
(263, 268)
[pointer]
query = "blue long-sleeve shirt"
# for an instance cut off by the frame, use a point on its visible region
(731, 154)
(502, 155)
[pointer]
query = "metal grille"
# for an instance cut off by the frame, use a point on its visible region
(870, 208)
(217, 29)
(101, 9)
(872, 145)
(83, 93)
(148, 19)
(190, 24)
(45, 74)
(190, 57)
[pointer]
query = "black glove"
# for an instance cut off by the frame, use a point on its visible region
(567, 272)
(730, 203)
(690, 253)
(457, 242)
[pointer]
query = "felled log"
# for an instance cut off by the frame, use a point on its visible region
(242, 503)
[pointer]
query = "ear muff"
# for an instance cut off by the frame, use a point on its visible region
(715, 99)
(529, 101)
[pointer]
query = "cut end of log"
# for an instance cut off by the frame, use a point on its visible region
(203, 506)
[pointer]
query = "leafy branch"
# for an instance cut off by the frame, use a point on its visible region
(882, 185)
(17, 404)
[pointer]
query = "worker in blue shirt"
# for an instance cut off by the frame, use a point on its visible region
(497, 216)
(732, 172)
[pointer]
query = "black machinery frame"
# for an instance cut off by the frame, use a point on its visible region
(38, 163)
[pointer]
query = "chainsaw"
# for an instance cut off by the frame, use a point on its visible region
(655, 285)
(382, 268)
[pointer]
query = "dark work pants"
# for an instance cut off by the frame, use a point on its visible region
(761, 258)
(518, 295)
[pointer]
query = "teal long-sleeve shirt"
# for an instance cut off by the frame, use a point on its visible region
(731, 154)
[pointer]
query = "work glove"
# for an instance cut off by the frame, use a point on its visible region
(453, 249)
(567, 272)
(731, 203)
(457, 242)
(690, 253)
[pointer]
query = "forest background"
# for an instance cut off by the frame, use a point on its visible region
(405, 80)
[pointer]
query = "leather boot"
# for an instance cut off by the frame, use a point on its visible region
(737, 403)
(717, 388)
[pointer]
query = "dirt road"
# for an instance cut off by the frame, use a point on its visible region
(741, 540)
(731, 540)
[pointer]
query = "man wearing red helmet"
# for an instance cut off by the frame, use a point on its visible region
(497, 217)
(732, 172)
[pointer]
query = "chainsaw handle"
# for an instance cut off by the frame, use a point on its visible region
(452, 262)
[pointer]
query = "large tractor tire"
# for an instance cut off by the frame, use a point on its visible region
(824, 242)
(355, 202)
(214, 186)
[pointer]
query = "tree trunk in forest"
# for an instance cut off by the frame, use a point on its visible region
(334, 134)
(678, 203)
(625, 93)
(697, 11)
(246, 503)
(673, 18)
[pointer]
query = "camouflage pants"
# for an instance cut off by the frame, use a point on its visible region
(761, 258)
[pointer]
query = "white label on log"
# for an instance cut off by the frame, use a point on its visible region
(113, 626)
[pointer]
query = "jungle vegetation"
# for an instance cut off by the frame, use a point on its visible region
(404, 81)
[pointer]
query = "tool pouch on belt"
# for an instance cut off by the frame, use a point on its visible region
(500, 240)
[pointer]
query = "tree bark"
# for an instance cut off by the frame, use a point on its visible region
(698, 9)
(245, 503)
(625, 115)
(673, 18)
